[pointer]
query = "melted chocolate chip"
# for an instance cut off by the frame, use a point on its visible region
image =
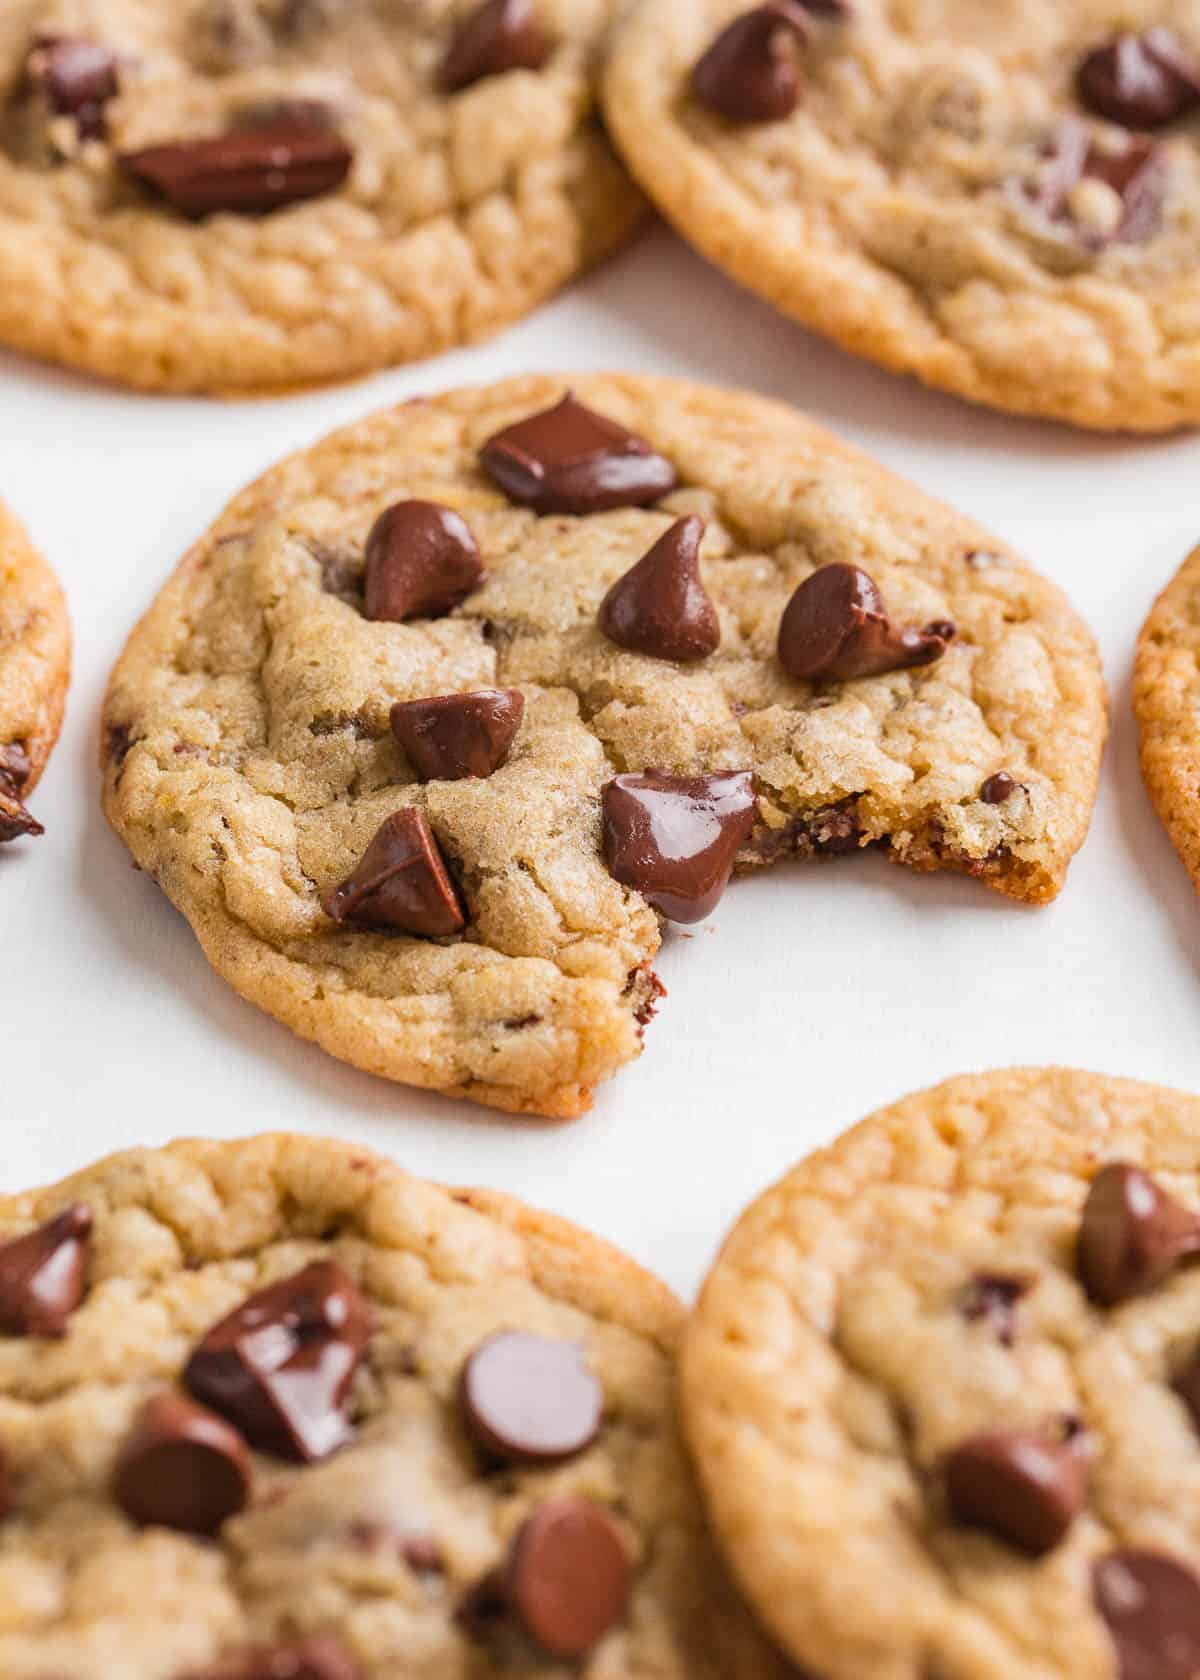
(497, 36)
(1151, 1607)
(182, 1467)
(280, 1366)
(78, 78)
(1132, 1234)
(569, 459)
(457, 735)
(1025, 1489)
(835, 628)
(422, 561)
(43, 1274)
(321, 1658)
(675, 838)
(1138, 175)
(16, 822)
(660, 606)
(250, 171)
(528, 1400)
(751, 72)
(998, 788)
(15, 767)
(1140, 81)
(401, 882)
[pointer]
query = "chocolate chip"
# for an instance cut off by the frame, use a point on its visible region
(423, 1555)
(675, 838)
(993, 1296)
(569, 459)
(528, 1400)
(1140, 81)
(401, 881)
(78, 77)
(1021, 1487)
(280, 1365)
(660, 605)
(1151, 1606)
(835, 627)
(15, 767)
(422, 561)
(250, 171)
(1138, 175)
(321, 1658)
(497, 36)
(16, 822)
(998, 788)
(751, 72)
(182, 1467)
(457, 735)
(1132, 1234)
(43, 1274)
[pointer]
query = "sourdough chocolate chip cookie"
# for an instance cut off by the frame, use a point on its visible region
(998, 198)
(943, 1388)
(1165, 693)
(217, 194)
(442, 715)
(273, 1410)
(35, 663)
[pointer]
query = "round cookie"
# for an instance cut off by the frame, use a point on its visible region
(353, 1510)
(1166, 685)
(226, 194)
(937, 1387)
(263, 761)
(999, 199)
(35, 665)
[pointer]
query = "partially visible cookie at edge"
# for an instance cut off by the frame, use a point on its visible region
(1166, 695)
(35, 665)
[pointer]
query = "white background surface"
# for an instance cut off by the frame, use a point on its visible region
(814, 994)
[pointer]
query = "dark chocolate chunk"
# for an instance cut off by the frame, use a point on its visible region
(497, 36)
(996, 789)
(569, 459)
(182, 1467)
(1021, 1487)
(1132, 1234)
(529, 1400)
(1140, 81)
(993, 1296)
(401, 882)
(675, 838)
(1151, 1606)
(422, 561)
(250, 170)
(16, 822)
(660, 606)
(1138, 175)
(43, 1274)
(456, 735)
(835, 628)
(78, 78)
(319, 1658)
(280, 1366)
(751, 72)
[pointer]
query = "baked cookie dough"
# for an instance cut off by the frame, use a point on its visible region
(998, 198)
(212, 195)
(264, 759)
(35, 666)
(1166, 689)
(274, 1410)
(943, 1388)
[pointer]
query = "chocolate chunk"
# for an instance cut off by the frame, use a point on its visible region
(1151, 1606)
(528, 1400)
(15, 820)
(675, 838)
(993, 1296)
(499, 35)
(321, 1658)
(43, 1274)
(457, 735)
(1138, 175)
(1025, 1489)
(422, 561)
(835, 627)
(568, 459)
(1132, 1234)
(751, 72)
(182, 1467)
(250, 171)
(998, 788)
(660, 606)
(1140, 81)
(77, 77)
(15, 768)
(280, 1365)
(400, 882)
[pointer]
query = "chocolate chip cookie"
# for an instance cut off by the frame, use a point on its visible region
(943, 1388)
(1166, 688)
(274, 1410)
(218, 194)
(443, 715)
(35, 665)
(998, 198)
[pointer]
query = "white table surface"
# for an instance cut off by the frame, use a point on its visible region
(814, 994)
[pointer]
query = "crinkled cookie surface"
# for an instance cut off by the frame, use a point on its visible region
(1166, 695)
(249, 760)
(462, 211)
(911, 206)
(35, 660)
